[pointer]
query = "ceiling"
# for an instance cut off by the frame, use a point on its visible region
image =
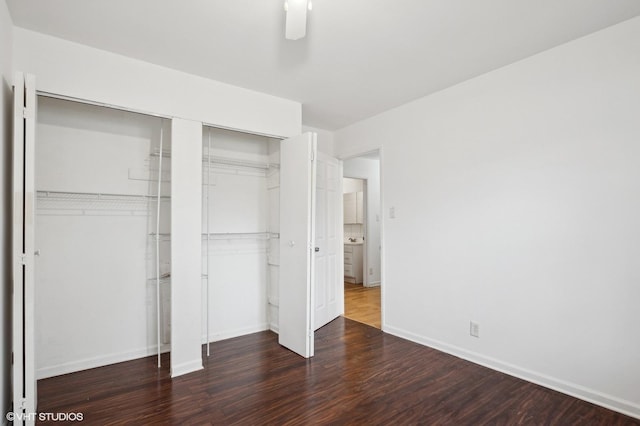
(360, 57)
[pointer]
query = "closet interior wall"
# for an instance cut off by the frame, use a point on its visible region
(240, 230)
(96, 209)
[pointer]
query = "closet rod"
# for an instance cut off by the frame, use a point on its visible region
(158, 277)
(239, 235)
(99, 195)
(235, 162)
(227, 161)
(168, 278)
(224, 235)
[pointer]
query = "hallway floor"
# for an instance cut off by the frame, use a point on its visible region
(362, 304)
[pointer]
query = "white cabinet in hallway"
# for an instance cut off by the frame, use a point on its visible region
(353, 263)
(353, 203)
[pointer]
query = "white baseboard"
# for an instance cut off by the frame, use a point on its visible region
(230, 334)
(186, 367)
(99, 361)
(373, 284)
(628, 408)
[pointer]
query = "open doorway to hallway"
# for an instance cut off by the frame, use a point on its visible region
(362, 239)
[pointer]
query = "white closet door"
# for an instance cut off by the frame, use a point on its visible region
(329, 281)
(297, 216)
(24, 381)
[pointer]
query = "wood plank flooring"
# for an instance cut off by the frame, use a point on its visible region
(359, 375)
(362, 304)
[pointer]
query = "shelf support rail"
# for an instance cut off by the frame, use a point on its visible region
(207, 249)
(158, 242)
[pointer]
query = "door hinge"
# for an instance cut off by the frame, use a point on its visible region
(312, 156)
(23, 259)
(22, 404)
(27, 112)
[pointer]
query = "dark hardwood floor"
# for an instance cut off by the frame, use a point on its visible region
(359, 375)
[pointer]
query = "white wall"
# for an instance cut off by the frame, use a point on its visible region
(369, 169)
(79, 71)
(94, 302)
(186, 247)
(82, 72)
(6, 80)
(238, 202)
(521, 214)
(325, 139)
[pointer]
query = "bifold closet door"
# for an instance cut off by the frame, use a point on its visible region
(24, 381)
(297, 216)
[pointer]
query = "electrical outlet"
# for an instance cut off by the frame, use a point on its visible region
(392, 212)
(474, 329)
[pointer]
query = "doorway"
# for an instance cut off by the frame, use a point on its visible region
(362, 239)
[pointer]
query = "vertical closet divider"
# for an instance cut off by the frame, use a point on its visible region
(158, 240)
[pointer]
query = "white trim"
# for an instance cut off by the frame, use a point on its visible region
(99, 361)
(611, 402)
(99, 104)
(230, 334)
(357, 154)
(186, 368)
(383, 245)
(374, 284)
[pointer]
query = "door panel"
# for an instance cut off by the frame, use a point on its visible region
(297, 221)
(329, 303)
(24, 382)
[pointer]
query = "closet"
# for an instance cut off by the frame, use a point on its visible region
(240, 233)
(101, 184)
(103, 227)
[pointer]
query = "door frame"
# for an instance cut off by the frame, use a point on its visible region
(24, 383)
(365, 216)
(357, 154)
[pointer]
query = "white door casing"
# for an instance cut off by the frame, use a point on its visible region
(23, 371)
(297, 216)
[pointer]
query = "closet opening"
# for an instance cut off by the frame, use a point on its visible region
(240, 233)
(102, 226)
